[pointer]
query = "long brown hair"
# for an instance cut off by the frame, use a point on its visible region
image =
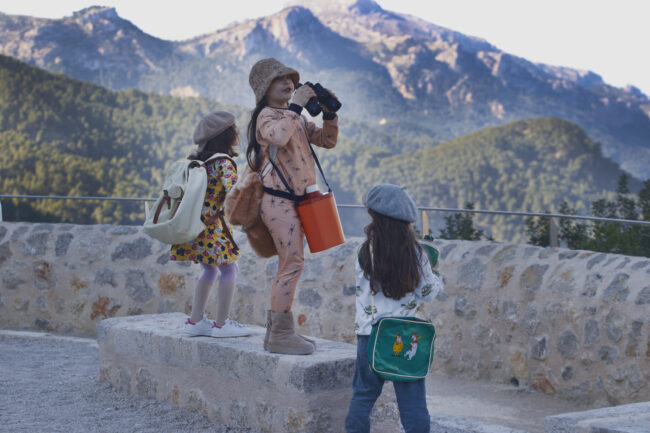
(394, 268)
(254, 150)
(222, 143)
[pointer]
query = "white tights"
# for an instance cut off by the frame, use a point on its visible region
(225, 291)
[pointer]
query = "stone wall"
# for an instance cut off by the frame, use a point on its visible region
(571, 323)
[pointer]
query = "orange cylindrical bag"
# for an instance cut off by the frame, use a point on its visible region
(320, 221)
(317, 211)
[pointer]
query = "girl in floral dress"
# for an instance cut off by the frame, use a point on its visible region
(214, 248)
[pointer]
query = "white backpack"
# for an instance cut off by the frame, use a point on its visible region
(176, 216)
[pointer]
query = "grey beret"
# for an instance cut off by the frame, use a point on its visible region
(211, 126)
(392, 201)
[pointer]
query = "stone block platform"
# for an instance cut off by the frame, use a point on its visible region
(629, 418)
(232, 380)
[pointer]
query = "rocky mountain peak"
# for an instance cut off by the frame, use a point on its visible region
(97, 12)
(98, 20)
(102, 21)
(357, 7)
(292, 22)
(635, 91)
(365, 7)
(298, 16)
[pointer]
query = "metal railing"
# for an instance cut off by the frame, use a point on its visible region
(424, 226)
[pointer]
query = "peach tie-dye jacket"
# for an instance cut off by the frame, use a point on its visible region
(286, 129)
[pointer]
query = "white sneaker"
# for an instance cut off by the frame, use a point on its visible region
(230, 328)
(204, 327)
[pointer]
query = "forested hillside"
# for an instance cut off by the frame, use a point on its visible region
(530, 165)
(59, 136)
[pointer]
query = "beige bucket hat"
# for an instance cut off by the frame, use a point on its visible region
(265, 71)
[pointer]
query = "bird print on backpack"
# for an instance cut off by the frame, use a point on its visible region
(413, 347)
(398, 345)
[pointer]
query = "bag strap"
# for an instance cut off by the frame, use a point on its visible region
(291, 195)
(273, 151)
(304, 123)
(361, 257)
(226, 230)
(165, 199)
(178, 203)
(372, 295)
(220, 215)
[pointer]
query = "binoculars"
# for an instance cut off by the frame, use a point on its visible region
(323, 98)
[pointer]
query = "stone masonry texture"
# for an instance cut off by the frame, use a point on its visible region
(571, 323)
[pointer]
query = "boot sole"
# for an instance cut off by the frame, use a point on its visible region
(289, 352)
(312, 342)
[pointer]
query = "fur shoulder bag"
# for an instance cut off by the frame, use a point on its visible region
(242, 207)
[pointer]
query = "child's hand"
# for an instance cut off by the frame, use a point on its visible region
(302, 95)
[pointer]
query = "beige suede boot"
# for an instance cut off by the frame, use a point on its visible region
(283, 338)
(268, 330)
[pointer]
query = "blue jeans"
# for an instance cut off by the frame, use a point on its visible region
(411, 397)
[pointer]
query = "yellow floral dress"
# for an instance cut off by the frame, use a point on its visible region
(212, 246)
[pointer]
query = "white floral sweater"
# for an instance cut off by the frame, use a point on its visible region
(428, 288)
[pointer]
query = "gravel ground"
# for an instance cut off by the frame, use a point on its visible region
(49, 384)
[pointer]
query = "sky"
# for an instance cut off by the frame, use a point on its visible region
(608, 37)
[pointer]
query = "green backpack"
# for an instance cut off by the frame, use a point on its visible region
(400, 349)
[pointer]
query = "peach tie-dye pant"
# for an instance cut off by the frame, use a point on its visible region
(281, 218)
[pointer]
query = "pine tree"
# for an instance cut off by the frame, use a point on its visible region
(461, 226)
(571, 231)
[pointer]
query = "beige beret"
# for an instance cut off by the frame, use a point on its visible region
(212, 125)
(265, 71)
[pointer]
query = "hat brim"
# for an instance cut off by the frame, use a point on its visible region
(290, 72)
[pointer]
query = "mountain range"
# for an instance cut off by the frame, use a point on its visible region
(60, 136)
(413, 82)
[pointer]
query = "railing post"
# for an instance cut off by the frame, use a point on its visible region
(425, 224)
(0, 211)
(553, 232)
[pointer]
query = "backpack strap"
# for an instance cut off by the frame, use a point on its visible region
(218, 156)
(165, 199)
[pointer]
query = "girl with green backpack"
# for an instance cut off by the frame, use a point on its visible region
(393, 275)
